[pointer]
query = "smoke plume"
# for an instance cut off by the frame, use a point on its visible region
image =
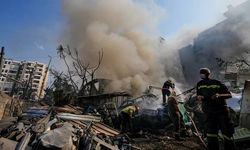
(228, 39)
(126, 32)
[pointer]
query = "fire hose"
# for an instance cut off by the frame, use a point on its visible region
(197, 131)
(183, 93)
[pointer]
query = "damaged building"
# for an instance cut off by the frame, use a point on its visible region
(225, 39)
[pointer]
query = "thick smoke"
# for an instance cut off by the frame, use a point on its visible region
(170, 53)
(228, 40)
(126, 32)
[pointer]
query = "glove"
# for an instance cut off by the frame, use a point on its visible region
(216, 96)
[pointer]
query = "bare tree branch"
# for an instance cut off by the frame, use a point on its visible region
(77, 67)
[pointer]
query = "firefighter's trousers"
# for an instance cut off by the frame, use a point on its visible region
(126, 122)
(214, 123)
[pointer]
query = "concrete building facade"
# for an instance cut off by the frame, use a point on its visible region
(30, 74)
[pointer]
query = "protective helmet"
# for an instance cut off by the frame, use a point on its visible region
(171, 83)
(205, 71)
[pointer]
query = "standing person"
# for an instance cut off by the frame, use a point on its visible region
(126, 117)
(176, 117)
(166, 89)
(213, 93)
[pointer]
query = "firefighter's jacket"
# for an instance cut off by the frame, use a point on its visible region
(209, 88)
(130, 110)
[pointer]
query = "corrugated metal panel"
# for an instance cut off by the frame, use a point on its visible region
(241, 134)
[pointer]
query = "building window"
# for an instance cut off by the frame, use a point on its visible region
(36, 81)
(6, 71)
(13, 71)
(40, 65)
(4, 66)
(37, 77)
(2, 79)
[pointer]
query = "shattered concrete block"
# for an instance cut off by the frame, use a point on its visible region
(60, 138)
(6, 144)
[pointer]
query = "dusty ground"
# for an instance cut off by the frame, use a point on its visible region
(169, 144)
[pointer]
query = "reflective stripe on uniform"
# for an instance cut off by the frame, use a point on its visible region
(209, 87)
(228, 138)
(129, 109)
(212, 135)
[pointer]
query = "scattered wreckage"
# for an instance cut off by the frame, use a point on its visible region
(93, 123)
(59, 128)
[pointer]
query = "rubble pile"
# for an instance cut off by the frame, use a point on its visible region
(69, 128)
(63, 128)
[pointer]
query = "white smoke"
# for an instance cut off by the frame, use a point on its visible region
(126, 30)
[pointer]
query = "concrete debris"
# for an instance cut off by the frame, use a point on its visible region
(59, 138)
(70, 127)
(7, 144)
(66, 128)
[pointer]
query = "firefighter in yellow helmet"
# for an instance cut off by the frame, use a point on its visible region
(176, 117)
(126, 116)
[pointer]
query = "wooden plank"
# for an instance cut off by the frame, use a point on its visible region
(105, 144)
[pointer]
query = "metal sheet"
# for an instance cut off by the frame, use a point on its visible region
(241, 134)
(68, 116)
(245, 107)
(24, 142)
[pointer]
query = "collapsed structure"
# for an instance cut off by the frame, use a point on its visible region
(225, 40)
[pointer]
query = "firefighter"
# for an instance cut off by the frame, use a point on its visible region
(126, 116)
(176, 117)
(166, 89)
(213, 93)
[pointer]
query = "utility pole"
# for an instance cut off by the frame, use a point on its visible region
(26, 93)
(1, 59)
(44, 78)
(13, 90)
